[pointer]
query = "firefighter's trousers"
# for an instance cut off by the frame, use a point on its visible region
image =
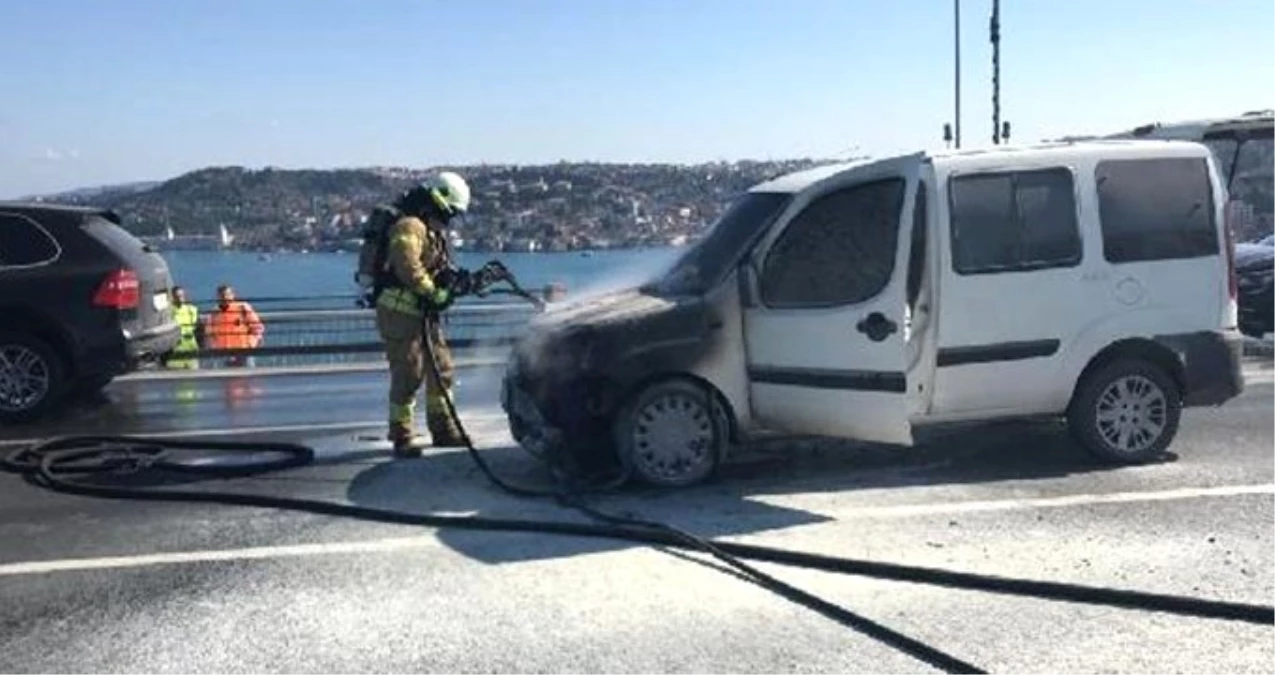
(405, 336)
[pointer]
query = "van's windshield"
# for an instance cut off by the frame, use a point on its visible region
(707, 261)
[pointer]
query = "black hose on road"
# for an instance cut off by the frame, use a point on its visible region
(51, 463)
(47, 464)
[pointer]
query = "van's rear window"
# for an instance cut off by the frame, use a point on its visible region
(1156, 209)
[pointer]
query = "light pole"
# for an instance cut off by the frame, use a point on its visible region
(956, 75)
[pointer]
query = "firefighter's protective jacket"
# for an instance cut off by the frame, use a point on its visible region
(415, 255)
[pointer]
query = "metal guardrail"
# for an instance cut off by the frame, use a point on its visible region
(343, 302)
(317, 337)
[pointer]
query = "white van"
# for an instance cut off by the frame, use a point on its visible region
(1092, 281)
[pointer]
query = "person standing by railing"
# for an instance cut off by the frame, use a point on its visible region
(233, 325)
(187, 316)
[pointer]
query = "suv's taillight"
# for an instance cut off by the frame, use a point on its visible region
(1232, 282)
(119, 290)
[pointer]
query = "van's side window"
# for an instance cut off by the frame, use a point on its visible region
(1014, 221)
(22, 242)
(1156, 209)
(839, 250)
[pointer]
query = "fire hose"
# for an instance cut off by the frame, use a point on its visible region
(51, 464)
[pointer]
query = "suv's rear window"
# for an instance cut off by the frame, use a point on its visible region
(1156, 209)
(113, 236)
(24, 242)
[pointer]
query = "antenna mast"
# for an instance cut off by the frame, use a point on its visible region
(1000, 132)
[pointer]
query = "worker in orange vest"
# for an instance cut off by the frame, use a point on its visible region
(233, 325)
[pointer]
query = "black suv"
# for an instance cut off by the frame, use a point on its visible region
(1255, 272)
(81, 301)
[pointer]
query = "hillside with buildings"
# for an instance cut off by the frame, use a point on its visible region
(564, 206)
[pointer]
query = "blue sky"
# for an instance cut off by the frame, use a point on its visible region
(104, 92)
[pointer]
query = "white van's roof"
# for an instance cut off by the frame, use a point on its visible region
(957, 160)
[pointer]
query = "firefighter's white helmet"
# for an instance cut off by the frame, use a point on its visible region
(450, 192)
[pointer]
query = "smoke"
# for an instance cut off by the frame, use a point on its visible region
(482, 382)
(478, 374)
(647, 266)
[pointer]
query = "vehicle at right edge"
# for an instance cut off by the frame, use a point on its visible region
(1091, 281)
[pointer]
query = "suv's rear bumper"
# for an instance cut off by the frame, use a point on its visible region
(151, 344)
(1212, 365)
(124, 353)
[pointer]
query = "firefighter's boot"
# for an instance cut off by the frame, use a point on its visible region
(442, 428)
(407, 445)
(443, 431)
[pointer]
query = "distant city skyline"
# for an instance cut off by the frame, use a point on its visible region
(101, 94)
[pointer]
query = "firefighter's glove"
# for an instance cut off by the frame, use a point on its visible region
(438, 297)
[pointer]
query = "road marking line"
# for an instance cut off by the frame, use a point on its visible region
(1054, 502)
(258, 553)
(408, 543)
(468, 418)
(1263, 376)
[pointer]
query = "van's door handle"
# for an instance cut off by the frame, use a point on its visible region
(877, 327)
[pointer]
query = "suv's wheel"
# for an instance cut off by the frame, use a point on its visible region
(1126, 411)
(671, 434)
(32, 377)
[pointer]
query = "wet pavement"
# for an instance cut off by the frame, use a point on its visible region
(114, 586)
(226, 401)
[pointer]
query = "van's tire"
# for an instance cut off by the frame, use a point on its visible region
(32, 377)
(1126, 412)
(672, 434)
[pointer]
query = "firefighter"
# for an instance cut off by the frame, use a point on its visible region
(407, 315)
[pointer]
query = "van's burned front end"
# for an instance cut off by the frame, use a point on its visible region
(566, 378)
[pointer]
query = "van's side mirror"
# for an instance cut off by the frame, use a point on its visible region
(748, 292)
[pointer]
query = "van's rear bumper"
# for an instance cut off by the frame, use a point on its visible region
(1212, 365)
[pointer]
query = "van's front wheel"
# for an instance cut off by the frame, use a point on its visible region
(671, 434)
(1127, 412)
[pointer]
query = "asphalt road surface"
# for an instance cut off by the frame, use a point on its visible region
(115, 586)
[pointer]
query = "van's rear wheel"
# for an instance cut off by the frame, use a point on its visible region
(1126, 411)
(32, 377)
(671, 434)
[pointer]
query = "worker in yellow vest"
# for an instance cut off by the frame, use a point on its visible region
(187, 316)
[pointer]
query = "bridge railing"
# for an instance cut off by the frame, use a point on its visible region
(316, 337)
(477, 330)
